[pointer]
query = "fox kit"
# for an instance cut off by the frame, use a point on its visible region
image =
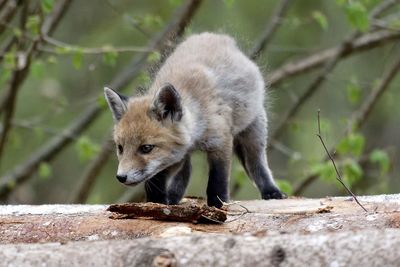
(208, 95)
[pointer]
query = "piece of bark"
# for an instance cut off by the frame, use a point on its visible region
(189, 211)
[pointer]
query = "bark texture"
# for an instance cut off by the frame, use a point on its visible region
(354, 248)
(290, 232)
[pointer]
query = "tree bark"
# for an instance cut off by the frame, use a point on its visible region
(63, 223)
(289, 232)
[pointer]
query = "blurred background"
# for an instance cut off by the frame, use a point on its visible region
(340, 57)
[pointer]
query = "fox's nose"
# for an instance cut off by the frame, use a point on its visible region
(122, 178)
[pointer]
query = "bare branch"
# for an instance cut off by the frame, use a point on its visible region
(48, 151)
(91, 50)
(383, 7)
(360, 116)
(339, 176)
(315, 85)
(270, 30)
(362, 43)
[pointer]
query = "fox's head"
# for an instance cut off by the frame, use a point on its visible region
(149, 133)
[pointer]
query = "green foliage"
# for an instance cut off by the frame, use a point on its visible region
(86, 148)
(321, 19)
(110, 58)
(154, 57)
(352, 144)
(47, 5)
(63, 50)
(5, 75)
(381, 158)
(352, 172)
(357, 15)
(52, 59)
(285, 186)
(33, 24)
(45, 170)
(149, 21)
(175, 2)
(144, 78)
(325, 171)
(101, 101)
(9, 60)
(17, 32)
(353, 91)
(229, 3)
(326, 126)
(37, 69)
(77, 59)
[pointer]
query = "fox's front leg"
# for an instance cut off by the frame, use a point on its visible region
(219, 162)
(156, 188)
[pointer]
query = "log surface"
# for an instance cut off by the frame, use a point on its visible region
(62, 223)
(290, 232)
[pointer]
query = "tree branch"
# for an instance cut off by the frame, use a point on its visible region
(315, 85)
(360, 116)
(48, 151)
(88, 50)
(360, 44)
(270, 30)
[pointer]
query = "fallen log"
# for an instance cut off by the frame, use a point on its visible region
(64, 223)
(349, 248)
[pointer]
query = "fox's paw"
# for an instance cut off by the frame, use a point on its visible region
(274, 195)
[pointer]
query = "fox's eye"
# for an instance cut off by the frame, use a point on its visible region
(145, 149)
(120, 149)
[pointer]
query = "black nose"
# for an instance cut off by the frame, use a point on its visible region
(122, 178)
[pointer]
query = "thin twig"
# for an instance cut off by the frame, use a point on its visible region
(360, 116)
(339, 176)
(89, 50)
(270, 30)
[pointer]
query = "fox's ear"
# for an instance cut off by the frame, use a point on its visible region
(116, 102)
(167, 104)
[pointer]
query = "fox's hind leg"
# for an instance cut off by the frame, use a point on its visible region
(179, 182)
(250, 147)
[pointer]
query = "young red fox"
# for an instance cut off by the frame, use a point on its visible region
(208, 95)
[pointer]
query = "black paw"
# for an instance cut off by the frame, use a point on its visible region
(274, 195)
(216, 202)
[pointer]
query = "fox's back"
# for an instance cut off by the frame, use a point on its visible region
(212, 69)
